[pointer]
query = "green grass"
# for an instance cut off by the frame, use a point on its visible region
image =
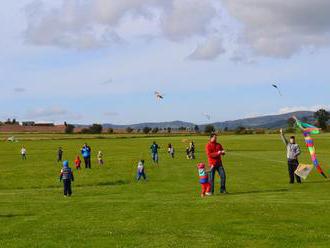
(110, 209)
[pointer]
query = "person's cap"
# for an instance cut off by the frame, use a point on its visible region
(66, 163)
(201, 166)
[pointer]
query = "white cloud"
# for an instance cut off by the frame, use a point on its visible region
(93, 24)
(209, 50)
(278, 28)
(51, 113)
(286, 110)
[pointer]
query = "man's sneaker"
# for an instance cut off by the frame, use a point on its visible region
(224, 192)
(208, 193)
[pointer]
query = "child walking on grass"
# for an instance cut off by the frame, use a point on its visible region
(67, 176)
(100, 158)
(140, 171)
(77, 163)
(204, 180)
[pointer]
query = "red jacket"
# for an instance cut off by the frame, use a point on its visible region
(212, 151)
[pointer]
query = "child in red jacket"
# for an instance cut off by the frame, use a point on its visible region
(77, 163)
(204, 179)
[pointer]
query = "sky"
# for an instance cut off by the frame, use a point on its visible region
(100, 61)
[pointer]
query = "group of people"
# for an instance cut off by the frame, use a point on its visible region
(214, 152)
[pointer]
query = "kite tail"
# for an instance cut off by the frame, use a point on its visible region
(311, 148)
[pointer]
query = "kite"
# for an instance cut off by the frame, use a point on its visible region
(308, 130)
(303, 170)
(277, 88)
(207, 116)
(158, 95)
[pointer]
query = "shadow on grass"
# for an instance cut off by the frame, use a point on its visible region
(317, 182)
(260, 191)
(13, 215)
(106, 183)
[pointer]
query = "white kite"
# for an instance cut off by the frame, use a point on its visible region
(207, 116)
(158, 95)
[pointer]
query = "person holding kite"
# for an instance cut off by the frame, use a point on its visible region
(214, 152)
(293, 151)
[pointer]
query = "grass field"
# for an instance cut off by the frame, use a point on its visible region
(110, 209)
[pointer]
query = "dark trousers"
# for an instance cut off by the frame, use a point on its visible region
(141, 174)
(222, 174)
(87, 162)
(67, 187)
(292, 167)
(59, 158)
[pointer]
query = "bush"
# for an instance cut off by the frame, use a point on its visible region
(146, 130)
(129, 130)
(110, 130)
(69, 128)
(155, 130)
(96, 128)
(209, 129)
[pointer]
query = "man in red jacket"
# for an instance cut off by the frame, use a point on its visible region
(214, 153)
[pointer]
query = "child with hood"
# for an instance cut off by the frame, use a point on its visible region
(67, 176)
(100, 158)
(204, 180)
(140, 170)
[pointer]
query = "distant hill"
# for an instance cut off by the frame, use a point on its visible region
(269, 121)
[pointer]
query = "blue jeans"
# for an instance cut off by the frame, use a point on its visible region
(155, 157)
(222, 174)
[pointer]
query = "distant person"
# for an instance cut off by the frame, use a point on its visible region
(140, 171)
(293, 151)
(214, 153)
(172, 151)
(77, 163)
(67, 176)
(192, 150)
(59, 154)
(154, 152)
(23, 153)
(86, 153)
(100, 158)
(169, 148)
(204, 180)
(187, 152)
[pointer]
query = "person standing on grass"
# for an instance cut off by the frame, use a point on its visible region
(192, 150)
(67, 176)
(23, 153)
(100, 158)
(214, 152)
(293, 151)
(140, 171)
(154, 152)
(86, 153)
(59, 154)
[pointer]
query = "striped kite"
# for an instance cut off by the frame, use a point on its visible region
(308, 130)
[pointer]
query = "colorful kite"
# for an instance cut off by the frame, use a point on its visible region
(307, 131)
(278, 89)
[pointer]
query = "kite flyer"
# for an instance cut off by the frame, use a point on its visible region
(86, 153)
(154, 152)
(214, 152)
(293, 151)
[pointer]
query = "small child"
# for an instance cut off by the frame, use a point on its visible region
(140, 170)
(23, 153)
(100, 158)
(171, 151)
(67, 176)
(77, 162)
(204, 179)
(187, 152)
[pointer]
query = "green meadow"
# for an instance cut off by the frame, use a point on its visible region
(110, 209)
